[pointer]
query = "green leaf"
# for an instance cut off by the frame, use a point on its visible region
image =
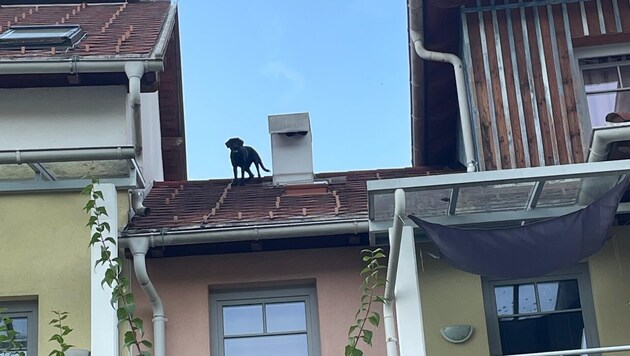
(130, 338)
(88, 189)
(374, 319)
(122, 314)
(367, 336)
(146, 343)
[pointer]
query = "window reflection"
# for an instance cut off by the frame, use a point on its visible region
(282, 317)
(539, 316)
(242, 320)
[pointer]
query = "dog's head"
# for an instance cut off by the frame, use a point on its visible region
(234, 144)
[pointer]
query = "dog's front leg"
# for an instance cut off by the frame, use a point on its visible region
(235, 169)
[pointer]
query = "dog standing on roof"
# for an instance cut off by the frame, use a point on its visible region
(243, 157)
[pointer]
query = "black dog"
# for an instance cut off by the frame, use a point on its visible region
(243, 156)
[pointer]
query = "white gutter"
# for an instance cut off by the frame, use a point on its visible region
(417, 38)
(139, 248)
(74, 65)
(392, 271)
(66, 155)
(602, 139)
(256, 232)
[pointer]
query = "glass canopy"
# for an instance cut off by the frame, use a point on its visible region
(495, 198)
(67, 169)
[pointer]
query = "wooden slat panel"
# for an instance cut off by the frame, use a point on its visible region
(499, 127)
(624, 13)
(541, 102)
(525, 95)
(569, 88)
(592, 17)
(513, 92)
(482, 94)
(576, 22)
(529, 105)
(609, 16)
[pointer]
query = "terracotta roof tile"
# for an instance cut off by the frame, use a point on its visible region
(111, 29)
(216, 203)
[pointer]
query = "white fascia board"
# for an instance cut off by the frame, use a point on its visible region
(519, 175)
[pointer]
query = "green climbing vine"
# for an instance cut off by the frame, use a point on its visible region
(123, 300)
(373, 281)
(61, 332)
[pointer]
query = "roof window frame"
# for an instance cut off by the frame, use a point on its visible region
(69, 38)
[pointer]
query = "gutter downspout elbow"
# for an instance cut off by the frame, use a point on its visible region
(392, 271)
(139, 248)
(417, 38)
(135, 71)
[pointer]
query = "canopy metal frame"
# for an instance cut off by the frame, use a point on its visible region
(539, 176)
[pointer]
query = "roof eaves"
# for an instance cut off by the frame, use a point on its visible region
(285, 230)
(165, 33)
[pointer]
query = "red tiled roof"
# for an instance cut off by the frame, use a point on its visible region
(215, 203)
(121, 29)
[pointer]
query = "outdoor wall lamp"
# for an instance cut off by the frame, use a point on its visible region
(456, 334)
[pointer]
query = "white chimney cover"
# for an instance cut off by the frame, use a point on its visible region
(279, 124)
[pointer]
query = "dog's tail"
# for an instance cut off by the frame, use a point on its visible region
(263, 167)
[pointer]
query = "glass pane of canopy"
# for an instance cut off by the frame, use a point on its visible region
(495, 197)
(11, 172)
(88, 169)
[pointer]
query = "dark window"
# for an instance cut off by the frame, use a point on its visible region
(537, 315)
(41, 36)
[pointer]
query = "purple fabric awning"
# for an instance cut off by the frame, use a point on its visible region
(531, 250)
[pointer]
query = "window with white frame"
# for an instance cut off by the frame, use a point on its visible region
(270, 322)
(20, 317)
(551, 313)
(607, 86)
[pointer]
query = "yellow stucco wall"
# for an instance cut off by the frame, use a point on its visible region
(451, 297)
(610, 279)
(45, 256)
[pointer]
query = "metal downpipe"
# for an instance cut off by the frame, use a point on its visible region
(417, 38)
(395, 234)
(139, 248)
(135, 71)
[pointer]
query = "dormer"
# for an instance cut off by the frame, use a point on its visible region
(95, 92)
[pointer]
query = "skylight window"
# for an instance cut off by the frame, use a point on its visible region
(41, 36)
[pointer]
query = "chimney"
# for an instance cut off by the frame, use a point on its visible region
(291, 148)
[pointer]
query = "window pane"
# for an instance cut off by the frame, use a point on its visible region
(505, 300)
(562, 331)
(286, 317)
(281, 345)
(242, 320)
(527, 299)
(601, 79)
(20, 326)
(561, 295)
(599, 105)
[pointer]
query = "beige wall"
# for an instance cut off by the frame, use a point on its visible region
(183, 284)
(610, 279)
(450, 297)
(45, 256)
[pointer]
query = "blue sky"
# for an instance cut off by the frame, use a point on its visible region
(345, 62)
